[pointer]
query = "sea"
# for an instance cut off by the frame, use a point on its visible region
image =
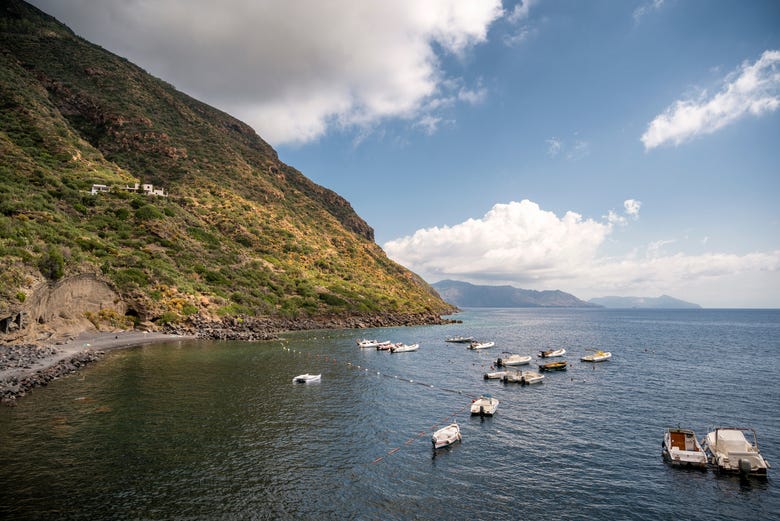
(197, 430)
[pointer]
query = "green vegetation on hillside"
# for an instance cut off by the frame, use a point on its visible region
(240, 233)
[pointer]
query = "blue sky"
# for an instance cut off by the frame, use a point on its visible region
(597, 147)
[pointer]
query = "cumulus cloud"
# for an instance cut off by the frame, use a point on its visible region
(752, 89)
(292, 69)
(521, 244)
(512, 240)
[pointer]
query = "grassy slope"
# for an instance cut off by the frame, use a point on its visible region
(241, 233)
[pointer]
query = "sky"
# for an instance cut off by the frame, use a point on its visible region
(601, 147)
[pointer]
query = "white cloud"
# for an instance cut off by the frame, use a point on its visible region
(616, 219)
(554, 146)
(521, 11)
(573, 152)
(632, 207)
(511, 240)
(517, 17)
(292, 70)
(647, 8)
(429, 124)
(753, 89)
(523, 245)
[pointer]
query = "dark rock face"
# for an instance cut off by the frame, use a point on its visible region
(266, 328)
(24, 356)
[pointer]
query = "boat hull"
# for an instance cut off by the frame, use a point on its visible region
(731, 453)
(599, 356)
(446, 436)
(553, 366)
(484, 406)
(513, 360)
(306, 378)
(680, 448)
(552, 353)
(481, 345)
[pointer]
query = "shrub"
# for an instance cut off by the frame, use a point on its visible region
(52, 264)
(147, 213)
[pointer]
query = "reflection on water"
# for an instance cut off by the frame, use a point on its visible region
(204, 430)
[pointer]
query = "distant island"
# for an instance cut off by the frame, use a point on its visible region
(464, 294)
(662, 302)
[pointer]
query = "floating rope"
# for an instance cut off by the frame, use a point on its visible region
(419, 435)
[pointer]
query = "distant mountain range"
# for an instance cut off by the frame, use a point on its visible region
(464, 294)
(662, 302)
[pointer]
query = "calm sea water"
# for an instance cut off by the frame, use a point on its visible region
(216, 430)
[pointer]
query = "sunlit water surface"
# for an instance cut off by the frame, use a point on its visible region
(217, 430)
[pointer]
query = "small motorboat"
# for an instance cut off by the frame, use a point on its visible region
(481, 345)
(306, 378)
(387, 346)
(552, 353)
(681, 449)
(495, 375)
(523, 377)
(531, 377)
(446, 436)
(598, 356)
(512, 377)
(403, 348)
(485, 405)
(731, 452)
(554, 366)
(460, 339)
(367, 343)
(513, 360)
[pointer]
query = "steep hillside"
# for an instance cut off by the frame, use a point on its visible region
(238, 233)
(471, 295)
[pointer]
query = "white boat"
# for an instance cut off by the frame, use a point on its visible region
(485, 405)
(306, 378)
(481, 345)
(514, 360)
(523, 377)
(403, 348)
(367, 343)
(495, 375)
(446, 436)
(531, 377)
(387, 346)
(512, 376)
(460, 339)
(681, 449)
(551, 353)
(598, 356)
(730, 451)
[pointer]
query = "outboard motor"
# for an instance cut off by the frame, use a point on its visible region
(744, 466)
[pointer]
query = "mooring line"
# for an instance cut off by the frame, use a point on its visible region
(411, 440)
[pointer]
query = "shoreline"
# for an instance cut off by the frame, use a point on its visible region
(24, 367)
(27, 366)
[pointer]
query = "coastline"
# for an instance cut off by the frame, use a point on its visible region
(26, 366)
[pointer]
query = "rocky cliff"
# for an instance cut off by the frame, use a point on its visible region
(233, 231)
